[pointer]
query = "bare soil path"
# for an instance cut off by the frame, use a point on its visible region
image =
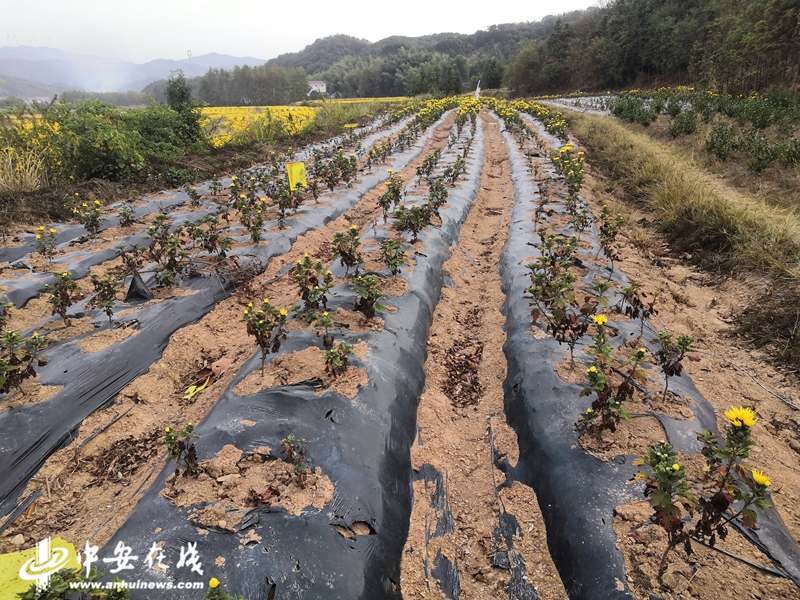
(456, 542)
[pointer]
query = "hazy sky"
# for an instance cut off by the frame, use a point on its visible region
(143, 30)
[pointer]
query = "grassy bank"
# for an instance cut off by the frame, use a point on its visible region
(725, 230)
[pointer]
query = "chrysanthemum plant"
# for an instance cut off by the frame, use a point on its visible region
(634, 303)
(268, 325)
(19, 358)
(87, 214)
(46, 242)
(393, 256)
(181, 448)
(324, 322)
(63, 294)
(609, 229)
(345, 247)
(393, 194)
(437, 194)
(105, 288)
(607, 408)
(671, 354)
(314, 283)
(369, 295)
(738, 488)
(336, 358)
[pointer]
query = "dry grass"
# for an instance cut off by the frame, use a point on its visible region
(21, 170)
(725, 228)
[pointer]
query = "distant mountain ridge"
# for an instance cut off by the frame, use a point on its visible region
(22, 88)
(498, 41)
(70, 71)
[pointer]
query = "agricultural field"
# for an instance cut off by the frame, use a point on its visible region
(488, 349)
(225, 124)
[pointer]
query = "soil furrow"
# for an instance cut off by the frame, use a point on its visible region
(72, 506)
(473, 534)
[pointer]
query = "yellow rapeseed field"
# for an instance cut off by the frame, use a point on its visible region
(224, 123)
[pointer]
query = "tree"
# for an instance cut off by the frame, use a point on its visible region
(492, 74)
(179, 98)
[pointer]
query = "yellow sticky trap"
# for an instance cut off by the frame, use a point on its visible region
(20, 570)
(297, 174)
(196, 389)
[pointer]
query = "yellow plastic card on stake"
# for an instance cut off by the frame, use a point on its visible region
(297, 174)
(20, 570)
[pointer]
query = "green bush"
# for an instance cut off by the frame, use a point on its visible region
(684, 124)
(722, 140)
(161, 131)
(633, 110)
(97, 141)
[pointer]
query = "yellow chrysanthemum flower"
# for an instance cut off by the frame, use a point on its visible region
(213, 583)
(600, 319)
(741, 416)
(592, 369)
(676, 467)
(760, 478)
(284, 312)
(266, 300)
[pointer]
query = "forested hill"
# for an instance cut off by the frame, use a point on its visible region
(410, 65)
(500, 41)
(736, 46)
(733, 45)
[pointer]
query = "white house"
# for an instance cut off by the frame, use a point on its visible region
(317, 86)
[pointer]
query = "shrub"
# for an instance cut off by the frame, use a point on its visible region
(684, 124)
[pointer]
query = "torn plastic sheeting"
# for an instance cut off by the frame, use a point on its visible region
(577, 492)
(362, 445)
(28, 449)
